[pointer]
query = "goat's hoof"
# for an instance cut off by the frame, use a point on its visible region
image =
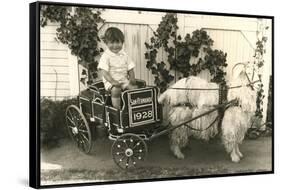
(235, 158)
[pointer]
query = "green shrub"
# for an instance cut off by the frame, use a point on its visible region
(52, 121)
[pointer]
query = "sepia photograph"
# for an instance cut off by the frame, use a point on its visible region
(137, 94)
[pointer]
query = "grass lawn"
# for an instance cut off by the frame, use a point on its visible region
(74, 175)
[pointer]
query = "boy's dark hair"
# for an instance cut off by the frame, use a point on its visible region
(113, 34)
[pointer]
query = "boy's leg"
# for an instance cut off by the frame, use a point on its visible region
(115, 97)
(131, 87)
(127, 86)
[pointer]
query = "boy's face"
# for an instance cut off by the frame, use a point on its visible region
(115, 47)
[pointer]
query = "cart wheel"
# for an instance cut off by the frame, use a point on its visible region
(128, 150)
(78, 128)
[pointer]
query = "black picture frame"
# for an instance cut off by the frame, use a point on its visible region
(35, 94)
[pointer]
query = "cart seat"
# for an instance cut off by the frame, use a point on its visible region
(98, 87)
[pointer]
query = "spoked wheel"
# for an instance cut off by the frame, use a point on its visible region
(128, 150)
(78, 128)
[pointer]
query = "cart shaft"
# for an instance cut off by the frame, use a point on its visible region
(192, 119)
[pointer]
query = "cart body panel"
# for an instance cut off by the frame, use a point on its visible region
(140, 110)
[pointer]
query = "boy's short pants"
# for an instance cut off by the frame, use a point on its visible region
(124, 84)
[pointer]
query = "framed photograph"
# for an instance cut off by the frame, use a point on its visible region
(127, 94)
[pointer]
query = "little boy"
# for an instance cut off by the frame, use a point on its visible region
(115, 65)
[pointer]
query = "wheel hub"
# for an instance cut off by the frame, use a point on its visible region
(75, 130)
(129, 152)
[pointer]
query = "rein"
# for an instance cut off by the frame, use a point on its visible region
(231, 87)
(211, 124)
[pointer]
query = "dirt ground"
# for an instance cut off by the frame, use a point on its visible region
(257, 156)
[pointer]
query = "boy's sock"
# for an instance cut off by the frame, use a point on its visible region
(116, 102)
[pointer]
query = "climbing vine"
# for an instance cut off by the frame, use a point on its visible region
(181, 53)
(259, 63)
(166, 30)
(78, 28)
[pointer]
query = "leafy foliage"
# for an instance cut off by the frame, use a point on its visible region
(259, 62)
(166, 29)
(54, 13)
(180, 52)
(269, 103)
(79, 30)
(52, 121)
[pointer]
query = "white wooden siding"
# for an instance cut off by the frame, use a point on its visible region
(56, 66)
(233, 35)
(234, 44)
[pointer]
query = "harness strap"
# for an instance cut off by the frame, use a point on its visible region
(210, 125)
(223, 90)
(230, 87)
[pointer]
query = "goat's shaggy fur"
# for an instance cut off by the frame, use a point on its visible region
(179, 93)
(236, 120)
(203, 123)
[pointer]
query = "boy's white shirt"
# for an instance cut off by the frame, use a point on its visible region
(117, 64)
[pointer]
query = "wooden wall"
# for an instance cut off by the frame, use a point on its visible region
(233, 35)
